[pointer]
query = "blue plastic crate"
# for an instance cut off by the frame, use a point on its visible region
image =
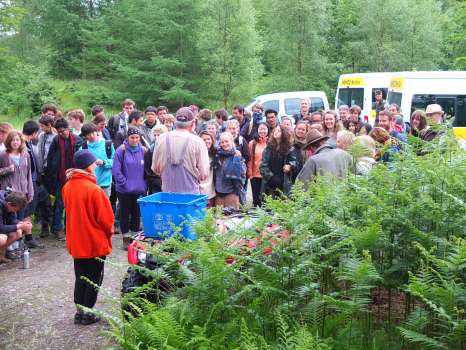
(160, 211)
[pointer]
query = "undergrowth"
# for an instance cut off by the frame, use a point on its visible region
(375, 262)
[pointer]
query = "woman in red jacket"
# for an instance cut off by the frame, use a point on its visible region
(89, 224)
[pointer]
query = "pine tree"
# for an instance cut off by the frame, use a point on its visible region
(229, 47)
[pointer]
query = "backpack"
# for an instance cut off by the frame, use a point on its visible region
(108, 148)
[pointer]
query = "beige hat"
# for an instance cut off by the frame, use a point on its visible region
(434, 108)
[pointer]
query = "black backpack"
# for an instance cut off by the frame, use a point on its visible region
(108, 148)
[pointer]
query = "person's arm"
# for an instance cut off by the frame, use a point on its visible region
(249, 164)
(5, 167)
(53, 149)
(8, 228)
(203, 163)
(264, 167)
(108, 162)
(30, 194)
(307, 173)
(292, 159)
(104, 213)
(51, 169)
(157, 159)
(245, 151)
(117, 169)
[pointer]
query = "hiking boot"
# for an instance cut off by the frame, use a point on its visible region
(89, 318)
(13, 255)
(45, 231)
(33, 243)
(78, 317)
(60, 235)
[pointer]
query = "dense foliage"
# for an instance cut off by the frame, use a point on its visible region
(375, 262)
(212, 53)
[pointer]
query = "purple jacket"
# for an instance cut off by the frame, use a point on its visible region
(128, 169)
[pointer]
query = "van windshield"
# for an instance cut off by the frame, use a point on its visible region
(350, 97)
(292, 105)
(394, 98)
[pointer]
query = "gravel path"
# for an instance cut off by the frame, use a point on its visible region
(36, 305)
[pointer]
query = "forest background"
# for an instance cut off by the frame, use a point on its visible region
(213, 53)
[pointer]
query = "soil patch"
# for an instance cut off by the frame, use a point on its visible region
(36, 305)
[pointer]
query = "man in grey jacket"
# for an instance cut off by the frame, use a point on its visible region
(325, 160)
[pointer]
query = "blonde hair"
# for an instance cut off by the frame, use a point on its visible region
(227, 135)
(367, 143)
(345, 137)
(162, 128)
(5, 127)
(76, 114)
(169, 117)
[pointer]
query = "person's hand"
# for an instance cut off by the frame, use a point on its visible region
(99, 162)
(237, 153)
(11, 167)
(20, 233)
(286, 168)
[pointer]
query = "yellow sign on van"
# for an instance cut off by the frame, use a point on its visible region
(352, 82)
(396, 83)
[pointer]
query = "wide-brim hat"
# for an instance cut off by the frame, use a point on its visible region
(314, 136)
(434, 108)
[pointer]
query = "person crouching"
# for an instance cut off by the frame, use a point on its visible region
(89, 229)
(230, 173)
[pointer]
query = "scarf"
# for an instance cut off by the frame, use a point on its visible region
(71, 171)
(66, 158)
(234, 170)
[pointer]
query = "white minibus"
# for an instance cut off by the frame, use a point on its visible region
(359, 89)
(416, 90)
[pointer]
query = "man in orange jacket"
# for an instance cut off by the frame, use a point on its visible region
(89, 225)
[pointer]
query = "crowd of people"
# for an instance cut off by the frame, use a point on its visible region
(61, 169)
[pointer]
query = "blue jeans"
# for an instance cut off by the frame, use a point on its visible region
(58, 208)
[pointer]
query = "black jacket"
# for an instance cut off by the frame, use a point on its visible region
(242, 145)
(50, 178)
(8, 221)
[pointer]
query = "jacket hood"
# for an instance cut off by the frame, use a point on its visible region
(131, 149)
(79, 174)
(94, 145)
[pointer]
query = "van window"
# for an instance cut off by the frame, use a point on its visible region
(460, 115)
(317, 104)
(272, 104)
(447, 102)
(292, 105)
(384, 93)
(394, 97)
(350, 97)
